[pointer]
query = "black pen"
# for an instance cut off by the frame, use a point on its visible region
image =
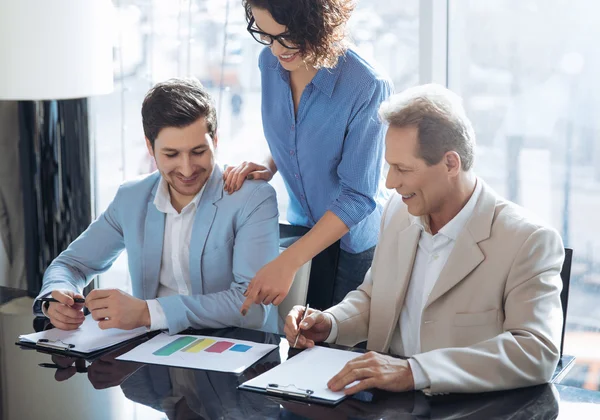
(49, 299)
(80, 369)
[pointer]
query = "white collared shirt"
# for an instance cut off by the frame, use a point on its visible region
(432, 253)
(174, 276)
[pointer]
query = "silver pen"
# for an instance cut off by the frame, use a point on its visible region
(303, 316)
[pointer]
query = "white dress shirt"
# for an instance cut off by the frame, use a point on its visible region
(432, 253)
(174, 276)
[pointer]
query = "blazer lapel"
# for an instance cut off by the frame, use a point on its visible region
(463, 259)
(154, 231)
(398, 270)
(466, 254)
(205, 215)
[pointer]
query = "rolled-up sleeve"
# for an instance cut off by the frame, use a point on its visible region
(360, 167)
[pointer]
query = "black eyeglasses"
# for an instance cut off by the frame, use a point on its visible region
(268, 39)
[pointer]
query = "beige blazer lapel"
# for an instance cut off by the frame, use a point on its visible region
(467, 255)
(395, 269)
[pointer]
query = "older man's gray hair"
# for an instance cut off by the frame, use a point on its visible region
(440, 118)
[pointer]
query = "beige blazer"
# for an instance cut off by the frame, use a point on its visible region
(493, 320)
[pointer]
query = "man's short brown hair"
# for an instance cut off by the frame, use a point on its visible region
(177, 103)
(440, 119)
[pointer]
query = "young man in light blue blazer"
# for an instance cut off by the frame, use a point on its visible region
(192, 248)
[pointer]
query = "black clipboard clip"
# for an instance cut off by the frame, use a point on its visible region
(55, 344)
(289, 390)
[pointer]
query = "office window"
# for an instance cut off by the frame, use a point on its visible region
(386, 33)
(528, 73)
(159, 39)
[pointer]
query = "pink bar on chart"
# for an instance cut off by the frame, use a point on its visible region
(219, 347)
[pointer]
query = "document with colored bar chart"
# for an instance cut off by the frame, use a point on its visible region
(199, 352)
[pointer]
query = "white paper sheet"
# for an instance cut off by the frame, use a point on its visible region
(309, 370)
(197, 352)
(87, 338)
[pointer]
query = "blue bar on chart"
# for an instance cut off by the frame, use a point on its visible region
(242, 348)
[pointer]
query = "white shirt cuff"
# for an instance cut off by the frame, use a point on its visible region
(419, 375)
(158, 319)
(44, 309)
(334, 329)
(43, 304)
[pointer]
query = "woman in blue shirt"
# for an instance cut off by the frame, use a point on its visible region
(320, 104)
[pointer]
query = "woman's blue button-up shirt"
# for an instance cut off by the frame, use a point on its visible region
(330, 154)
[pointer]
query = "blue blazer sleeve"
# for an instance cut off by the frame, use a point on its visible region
(360, 167)
(256, 243)
(92, 253)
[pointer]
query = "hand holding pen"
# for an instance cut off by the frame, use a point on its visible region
(65, 309)
(305, 326)
(51, 299)
(300, 323)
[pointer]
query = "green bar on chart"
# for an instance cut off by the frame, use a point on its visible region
(198, 345)
(174, 346)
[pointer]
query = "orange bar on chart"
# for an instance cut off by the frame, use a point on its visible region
(198, 345)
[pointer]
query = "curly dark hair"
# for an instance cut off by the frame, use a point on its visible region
(317, 27)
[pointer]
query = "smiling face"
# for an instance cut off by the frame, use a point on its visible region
(424, 188)
(290, 59)
(185, 157)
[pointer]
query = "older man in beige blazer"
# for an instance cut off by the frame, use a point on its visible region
(464, 283)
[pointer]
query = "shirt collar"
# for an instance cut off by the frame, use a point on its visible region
(325, 79)
(162, 199)
(420, 221)
(453, 228)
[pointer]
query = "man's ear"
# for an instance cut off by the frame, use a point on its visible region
(215, 140)
(149, 146)
(453, 163)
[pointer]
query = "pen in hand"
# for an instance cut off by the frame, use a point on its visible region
(299, 331)
(49, 299)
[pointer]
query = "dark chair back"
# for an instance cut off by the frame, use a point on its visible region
(322, 271)
(565, 275)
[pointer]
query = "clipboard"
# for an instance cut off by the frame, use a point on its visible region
(304, 376)
(68, 350)
(291, 392)
(88, 341)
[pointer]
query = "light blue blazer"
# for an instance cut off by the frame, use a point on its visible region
(233, 236)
